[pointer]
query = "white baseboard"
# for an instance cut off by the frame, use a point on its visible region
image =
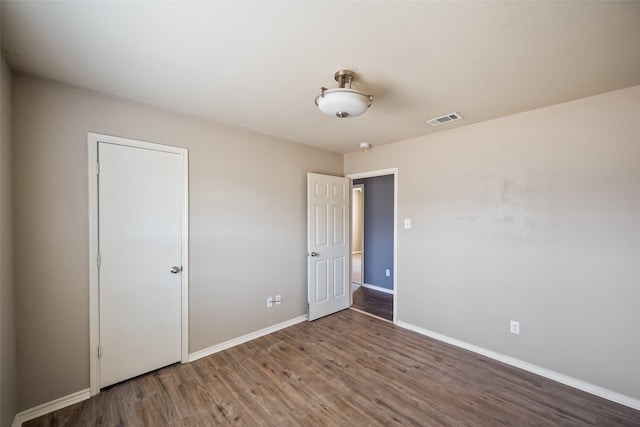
(543, 372)
(240, 340)
(54, 405)
(378, 288)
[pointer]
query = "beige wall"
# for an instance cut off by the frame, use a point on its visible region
(247, 219)
(533, 217)
(8, 384)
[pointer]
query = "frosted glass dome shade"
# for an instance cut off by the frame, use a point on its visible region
(342, 102)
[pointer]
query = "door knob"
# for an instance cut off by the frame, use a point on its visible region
(175, 269)
(313, 254)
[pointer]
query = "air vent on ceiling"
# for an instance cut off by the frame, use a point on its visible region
(451, 117)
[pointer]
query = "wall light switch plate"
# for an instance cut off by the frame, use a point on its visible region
(515, 327)
(407, 224)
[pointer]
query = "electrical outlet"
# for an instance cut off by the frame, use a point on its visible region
(387, 272)
(269, 301)
(278, 299)
(515, 327)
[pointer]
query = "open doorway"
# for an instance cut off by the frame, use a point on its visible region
(373, 245)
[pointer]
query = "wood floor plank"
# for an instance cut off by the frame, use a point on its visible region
(347, 369)
(373, 302)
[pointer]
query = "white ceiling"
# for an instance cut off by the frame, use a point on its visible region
(260, 65)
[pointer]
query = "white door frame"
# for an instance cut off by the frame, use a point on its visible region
(94, 300)
(371, 174)
(359, 187)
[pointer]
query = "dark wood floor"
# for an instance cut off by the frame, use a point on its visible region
(374, 302)
(347, 369)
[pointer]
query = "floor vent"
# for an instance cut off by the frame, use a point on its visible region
(451, 117)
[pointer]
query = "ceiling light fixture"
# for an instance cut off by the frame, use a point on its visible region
(343, 102)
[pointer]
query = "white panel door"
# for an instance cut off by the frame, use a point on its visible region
(328, 244)
(140, 241)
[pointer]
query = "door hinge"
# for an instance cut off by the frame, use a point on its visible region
(307, 309)
(99, 260)
(99, 351)
(97, 168)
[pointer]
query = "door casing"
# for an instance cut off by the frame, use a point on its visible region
(94, 301)
(354, 188)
